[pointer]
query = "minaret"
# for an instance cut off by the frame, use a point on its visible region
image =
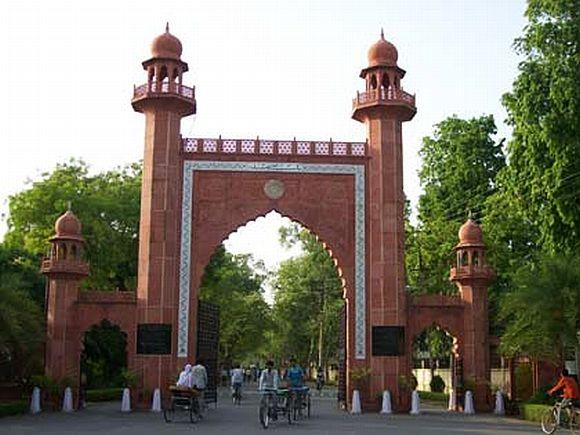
(472, 275)
(65, 269)
(383, 107)
(164, 100)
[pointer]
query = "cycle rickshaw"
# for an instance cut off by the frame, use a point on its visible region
(274, 404)
(186, 400)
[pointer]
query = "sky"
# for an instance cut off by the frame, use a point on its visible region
(274, 69)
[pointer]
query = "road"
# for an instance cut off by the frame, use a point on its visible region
(105, 419)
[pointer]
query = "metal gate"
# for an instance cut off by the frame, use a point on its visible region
(341, 393)
(208, 327)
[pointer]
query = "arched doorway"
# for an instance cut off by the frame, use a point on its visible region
(273, 309)
(103, 359)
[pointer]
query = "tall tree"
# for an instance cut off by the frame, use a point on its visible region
(108, 205)
(544, 110)
(307, 301)
(234, 284)
(460, 163)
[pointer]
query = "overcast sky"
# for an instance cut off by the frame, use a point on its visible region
(277, 69)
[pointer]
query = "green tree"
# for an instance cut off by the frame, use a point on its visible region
(544, 111)
(21, 334)
(19, 269)
(460, 163)
(234, 284)
(104, 358)
(307, 301)
(108, 205)
(543, 310)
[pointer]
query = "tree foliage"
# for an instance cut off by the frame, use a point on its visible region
(460, 163)
(104, 357)
(108, 205)
(21, 334)
(307, 302)
(544, 111)
(234, 283)
(543, 309)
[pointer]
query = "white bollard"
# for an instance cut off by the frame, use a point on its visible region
(499, 405)
(452, 400)
(156, 405)
(356, 406)
(67, 401)
(386, 408)
(468, 408)
(35, 401)
(415, 403)
(126, 402)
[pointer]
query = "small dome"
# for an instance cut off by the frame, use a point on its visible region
(68, 225)
(382, 53)
(470, 233)
(166, 46)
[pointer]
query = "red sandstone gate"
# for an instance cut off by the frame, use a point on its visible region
(196, 191)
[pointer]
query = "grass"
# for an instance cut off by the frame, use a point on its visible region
(13, 408)
(532, 411)
(434, 397)
(104, 394)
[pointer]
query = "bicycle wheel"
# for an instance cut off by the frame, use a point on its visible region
(264, 414)
(549, 421)
(574, 421)
(289, 408)
(168, 413)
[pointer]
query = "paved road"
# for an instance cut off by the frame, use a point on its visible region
(105, 419)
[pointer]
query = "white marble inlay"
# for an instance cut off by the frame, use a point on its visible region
(190, 166)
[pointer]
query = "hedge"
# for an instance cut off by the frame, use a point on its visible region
(532, 412)
(13, 408)
(433, 397)
(104, 395)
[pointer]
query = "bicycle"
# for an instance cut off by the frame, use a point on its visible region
(555, 418)
(273, 403)
(237, 394)
(302, 401)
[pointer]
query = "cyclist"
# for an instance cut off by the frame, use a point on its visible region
(295, 374)
(269, 381)
(269, 377)
(569, 387)
(319, 379)
(237, 380)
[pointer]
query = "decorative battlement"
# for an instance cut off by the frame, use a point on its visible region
(472, 272)
(165, 88)
(107, 297)
(274, 147)
(383, 95)
(60, 266)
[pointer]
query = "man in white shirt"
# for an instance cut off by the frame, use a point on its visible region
(198, 376)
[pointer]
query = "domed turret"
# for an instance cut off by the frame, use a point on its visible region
(470, 233)
(382, 53)
(68, 226)
(166, 46)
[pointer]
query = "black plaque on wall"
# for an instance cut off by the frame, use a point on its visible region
(388, 341)
(153, 339)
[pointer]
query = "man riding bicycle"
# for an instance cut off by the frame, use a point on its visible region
(237, 381)
(569, 387)
(295, 374)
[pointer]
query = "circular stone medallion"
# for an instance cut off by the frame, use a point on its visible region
(274, 189)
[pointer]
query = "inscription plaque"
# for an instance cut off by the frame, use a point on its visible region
(154, 339)
(388, 341)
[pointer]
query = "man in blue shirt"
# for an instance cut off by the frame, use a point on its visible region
(295, 374)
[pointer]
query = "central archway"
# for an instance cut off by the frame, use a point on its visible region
(220, 196)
